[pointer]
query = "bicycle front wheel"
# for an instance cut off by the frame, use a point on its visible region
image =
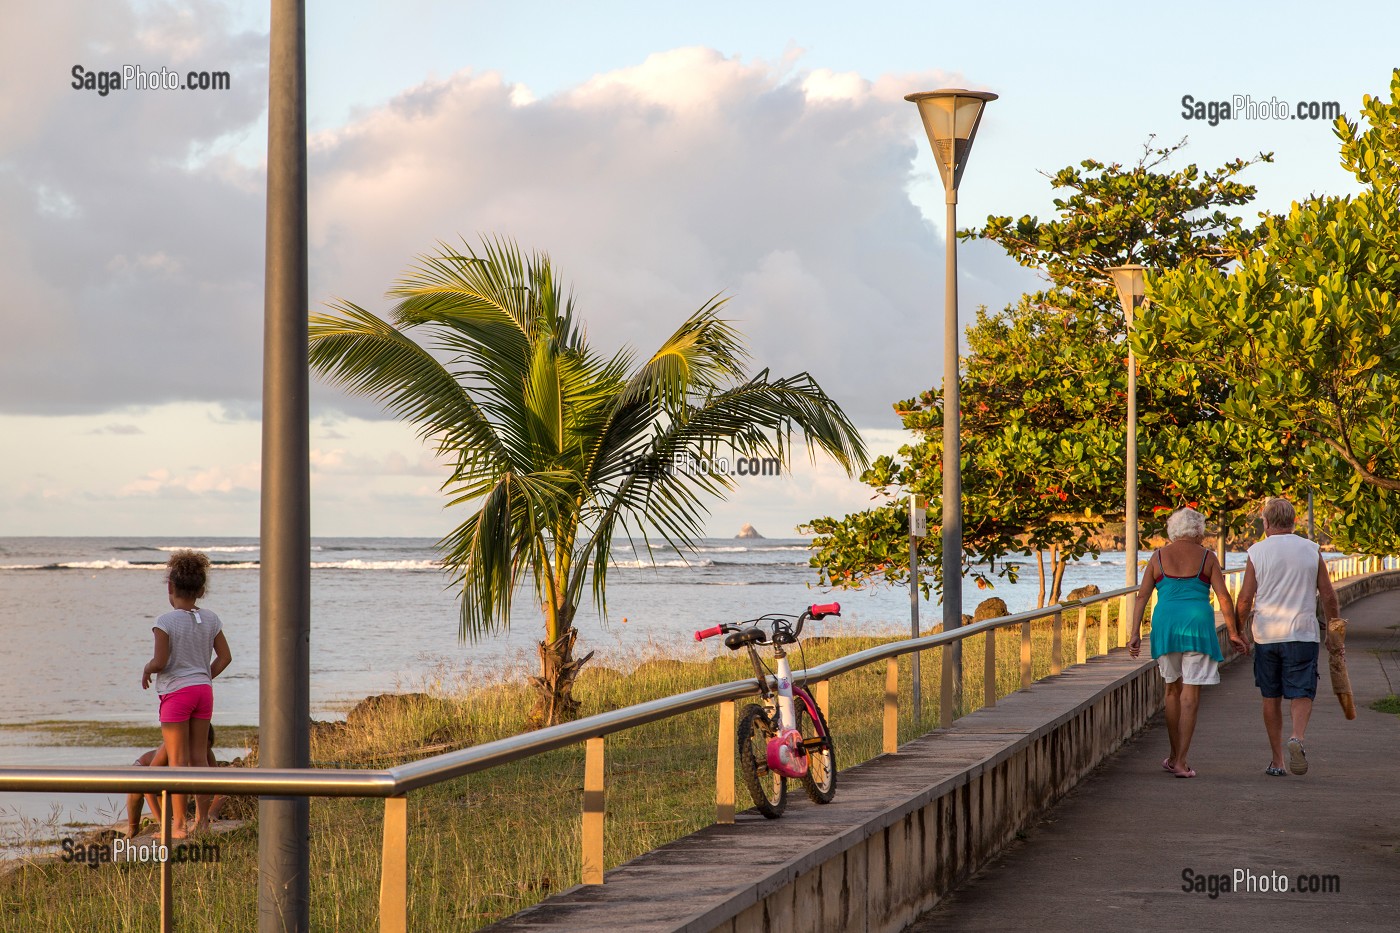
(820, 780)
(767, 787)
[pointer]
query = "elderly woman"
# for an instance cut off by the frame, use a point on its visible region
(1183, 627)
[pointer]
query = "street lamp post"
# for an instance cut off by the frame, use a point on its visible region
(950, 118)
(1132, 288)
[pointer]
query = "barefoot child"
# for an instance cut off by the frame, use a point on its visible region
(184, 640)
(157, 758)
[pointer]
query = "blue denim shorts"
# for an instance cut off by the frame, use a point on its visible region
(1286, 669)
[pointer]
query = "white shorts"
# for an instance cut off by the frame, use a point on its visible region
(1193, 667)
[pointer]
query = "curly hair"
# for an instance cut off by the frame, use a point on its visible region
(1186, 523)
(188, 573)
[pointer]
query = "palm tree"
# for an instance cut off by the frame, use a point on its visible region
(555, 447)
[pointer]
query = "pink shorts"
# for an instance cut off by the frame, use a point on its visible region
(193, 702)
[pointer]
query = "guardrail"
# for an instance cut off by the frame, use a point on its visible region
(395, 783)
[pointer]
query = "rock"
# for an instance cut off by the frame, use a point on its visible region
(967, 619)
(748, 531)
(1084, 591)
(991, 608)
(371, 708)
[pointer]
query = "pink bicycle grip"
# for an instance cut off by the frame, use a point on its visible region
(829, 609)
(707, 632)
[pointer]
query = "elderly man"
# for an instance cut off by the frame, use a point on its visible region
(1283, 579)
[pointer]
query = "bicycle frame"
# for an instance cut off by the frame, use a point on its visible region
(786, 752)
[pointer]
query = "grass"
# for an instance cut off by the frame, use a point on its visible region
(485, 846)
(1390, 704)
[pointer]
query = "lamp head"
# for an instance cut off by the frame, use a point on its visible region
(1132, 287)
(951, 116)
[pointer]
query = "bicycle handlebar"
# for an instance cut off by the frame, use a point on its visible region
(815, 611)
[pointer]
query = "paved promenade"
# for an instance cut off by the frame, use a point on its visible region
(1112, 855)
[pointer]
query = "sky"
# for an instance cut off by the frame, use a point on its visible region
(660, 153)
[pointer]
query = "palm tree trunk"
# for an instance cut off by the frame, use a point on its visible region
(554, 688)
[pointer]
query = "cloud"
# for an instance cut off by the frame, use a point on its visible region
(240, 481)
(653, 187)
(131, 248)
(125, 430)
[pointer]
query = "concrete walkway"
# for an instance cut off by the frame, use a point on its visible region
(1112, 855)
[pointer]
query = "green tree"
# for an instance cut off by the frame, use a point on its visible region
(1044, 387)
(556, 448)
(1303, 331)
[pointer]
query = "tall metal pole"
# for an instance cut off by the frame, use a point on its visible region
(1130, 517)
(952, 455)
(284, 712)
(915, 673)
(1312, 524)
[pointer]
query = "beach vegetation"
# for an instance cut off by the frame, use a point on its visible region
(557, 448)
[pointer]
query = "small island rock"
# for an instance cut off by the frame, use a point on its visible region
(748, 531)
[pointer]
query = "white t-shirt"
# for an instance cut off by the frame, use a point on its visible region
(1285, 605)
(192, 633)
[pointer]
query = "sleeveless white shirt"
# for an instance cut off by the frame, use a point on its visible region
(1285, 607)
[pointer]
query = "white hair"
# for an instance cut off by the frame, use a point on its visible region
(1186, 523)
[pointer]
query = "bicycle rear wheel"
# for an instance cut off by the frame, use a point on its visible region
(820, 780)
(768, 788)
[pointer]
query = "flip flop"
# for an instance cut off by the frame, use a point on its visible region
(1167, 765)
(1271, 771)
(1188, 773)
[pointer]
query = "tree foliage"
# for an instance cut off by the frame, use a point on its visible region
(1304, 331)
(556, 448)
(1044, 389)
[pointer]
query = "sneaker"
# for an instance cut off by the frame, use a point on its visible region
(1297, 758)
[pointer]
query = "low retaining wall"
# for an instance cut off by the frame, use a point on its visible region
(904, 829)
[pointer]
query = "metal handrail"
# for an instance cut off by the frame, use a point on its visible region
(390, 782)
(395, 783)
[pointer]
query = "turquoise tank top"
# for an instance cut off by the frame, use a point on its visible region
(1183, 619)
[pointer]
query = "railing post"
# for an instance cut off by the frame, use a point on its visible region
(724, 767)
(167, 891)
(946, 709)
(891, 730)
(593, 805)
(1103, 625)
(1025, 654)
(822, 694)
(393, 869)
(1124, 611)
(1080, 649)
(989, 669)
(1057, 653)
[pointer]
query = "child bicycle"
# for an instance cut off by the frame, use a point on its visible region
(780, 739)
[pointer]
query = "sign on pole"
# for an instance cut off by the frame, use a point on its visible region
(918, 516)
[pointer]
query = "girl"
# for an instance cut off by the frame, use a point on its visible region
(185, 638)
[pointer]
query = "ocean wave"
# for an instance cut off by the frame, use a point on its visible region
(357, 564)
(640, 564)
(214, 548)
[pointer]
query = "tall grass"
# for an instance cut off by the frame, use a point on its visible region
(487, 845)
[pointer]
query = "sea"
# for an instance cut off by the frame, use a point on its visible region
(76, 615)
